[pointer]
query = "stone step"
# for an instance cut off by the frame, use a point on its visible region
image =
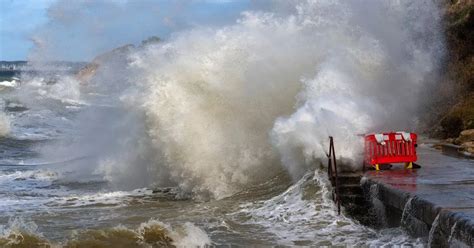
(349, 178)
(354, 199)
(359, 210)
(354, 189)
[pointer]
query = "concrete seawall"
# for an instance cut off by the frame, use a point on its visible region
(436, 201)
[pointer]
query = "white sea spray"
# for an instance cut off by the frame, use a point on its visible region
(215, 109)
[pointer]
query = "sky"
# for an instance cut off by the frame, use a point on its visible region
(18, 19)
(77, 30)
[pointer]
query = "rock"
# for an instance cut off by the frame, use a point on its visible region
(452, 125)
(86, 73)
(468, 146)
(438, 146)
(113, 56)
(465, 136)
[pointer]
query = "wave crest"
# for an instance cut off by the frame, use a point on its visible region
(152, 233)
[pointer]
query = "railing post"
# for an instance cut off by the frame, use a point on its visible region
(334, 178)
(330, 163)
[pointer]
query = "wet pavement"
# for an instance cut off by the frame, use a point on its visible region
(441, 191)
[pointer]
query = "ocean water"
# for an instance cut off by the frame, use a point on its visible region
(49, 202)
(217, 135)
(41, 209)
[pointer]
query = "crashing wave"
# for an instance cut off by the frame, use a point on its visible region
(213, 110)
(149, 234)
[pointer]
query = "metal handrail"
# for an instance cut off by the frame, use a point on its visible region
(332, 174)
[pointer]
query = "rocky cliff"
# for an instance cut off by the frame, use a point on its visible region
(453, 109)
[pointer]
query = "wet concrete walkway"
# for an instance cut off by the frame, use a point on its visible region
(436, 201)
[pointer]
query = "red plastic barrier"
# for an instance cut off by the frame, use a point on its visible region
(387, 148)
